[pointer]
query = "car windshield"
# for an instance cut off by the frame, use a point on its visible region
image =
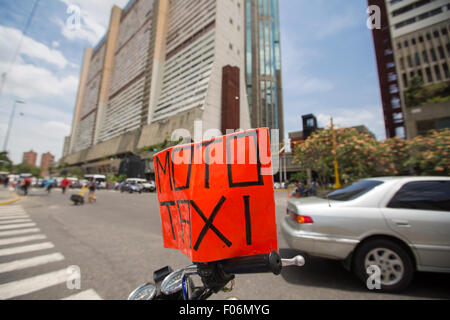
(354, 190)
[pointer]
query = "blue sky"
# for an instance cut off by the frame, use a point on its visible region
(328, 67)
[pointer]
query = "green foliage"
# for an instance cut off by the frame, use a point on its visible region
(27, 168)
(76, 172)
(298, 176)
(356, 154)
(430, 154)
(161, 146)
(5, 163)
(361, 156)
(417, 94)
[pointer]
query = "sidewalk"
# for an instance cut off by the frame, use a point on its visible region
(6, 196)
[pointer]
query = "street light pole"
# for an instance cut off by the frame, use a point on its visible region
(11, 118)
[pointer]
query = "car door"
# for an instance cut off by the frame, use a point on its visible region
(420, 212)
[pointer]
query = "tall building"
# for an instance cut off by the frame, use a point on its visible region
(47, 160)
(413, 45)
(162, 65)
(263, 64)
(30, 157)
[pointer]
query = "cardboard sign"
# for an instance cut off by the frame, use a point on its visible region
(216, 197)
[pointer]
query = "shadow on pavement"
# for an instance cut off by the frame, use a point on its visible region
(331, 274)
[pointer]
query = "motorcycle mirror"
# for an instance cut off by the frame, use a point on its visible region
(144, 292)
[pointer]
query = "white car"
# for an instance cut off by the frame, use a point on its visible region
(393, 225)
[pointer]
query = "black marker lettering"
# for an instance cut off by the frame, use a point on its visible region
(169, 204)
(183, 221)
(209, 224)
(232, 184)
(166, 168)
(248, 224)
(188, 178)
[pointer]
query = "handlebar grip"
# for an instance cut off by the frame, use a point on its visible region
(253, 264)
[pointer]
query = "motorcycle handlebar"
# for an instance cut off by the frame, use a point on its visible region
(253, 264)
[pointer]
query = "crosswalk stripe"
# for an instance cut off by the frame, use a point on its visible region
(26, 286)
(20, 231)
(17, 226)
(28, 248)
(7, 214)
(14, 221)
(12, 210)
(31, 262)
(21, 216)
(84, 295)
(21, 239)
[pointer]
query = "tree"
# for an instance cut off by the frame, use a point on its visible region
(413, 95)
(27, 168)
(393, 155)
(76, 172)
(5, 163)
(357, 154)
(430, 154)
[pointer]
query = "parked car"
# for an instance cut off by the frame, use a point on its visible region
(398, 224)
(139, 185)
(149, 186)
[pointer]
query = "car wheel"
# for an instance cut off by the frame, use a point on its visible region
(389, 265)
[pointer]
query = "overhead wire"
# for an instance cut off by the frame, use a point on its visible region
(16, 53)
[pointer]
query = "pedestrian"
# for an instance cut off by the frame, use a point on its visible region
(92, 188)
(26, 185)
(313, 189)
(301, 189)
(5, 183)
(64, 184)
(50, 185)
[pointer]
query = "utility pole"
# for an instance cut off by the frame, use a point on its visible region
(11, 118)
(337, 184)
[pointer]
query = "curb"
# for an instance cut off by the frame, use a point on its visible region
(11, 200)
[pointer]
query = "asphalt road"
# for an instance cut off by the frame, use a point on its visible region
(116, 243)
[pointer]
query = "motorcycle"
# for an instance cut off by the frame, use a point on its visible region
(215, 276)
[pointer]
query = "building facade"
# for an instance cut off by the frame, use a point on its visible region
(30, 157)
(413, 45)
(263, 64)
(47, 161)
(163, 65)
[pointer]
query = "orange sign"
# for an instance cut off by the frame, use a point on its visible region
(216, 197)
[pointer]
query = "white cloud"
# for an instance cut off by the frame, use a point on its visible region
(29, 81)
(93, 18)
(343, 118)
(9, 40)
(41, 128)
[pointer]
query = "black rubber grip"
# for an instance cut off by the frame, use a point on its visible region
(253, 264)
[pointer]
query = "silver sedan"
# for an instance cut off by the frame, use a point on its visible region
(383, 229)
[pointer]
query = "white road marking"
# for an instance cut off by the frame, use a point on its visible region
(24, 249)
(31, 262)
(11, 210)
(21, 239)
(26, 286)
(8, 214)
(84, 295)
(14, 221)
(21, 216)
(17, 226)
(16, 232)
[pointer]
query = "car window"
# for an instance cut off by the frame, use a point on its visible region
(423, 195)
(354, 190)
